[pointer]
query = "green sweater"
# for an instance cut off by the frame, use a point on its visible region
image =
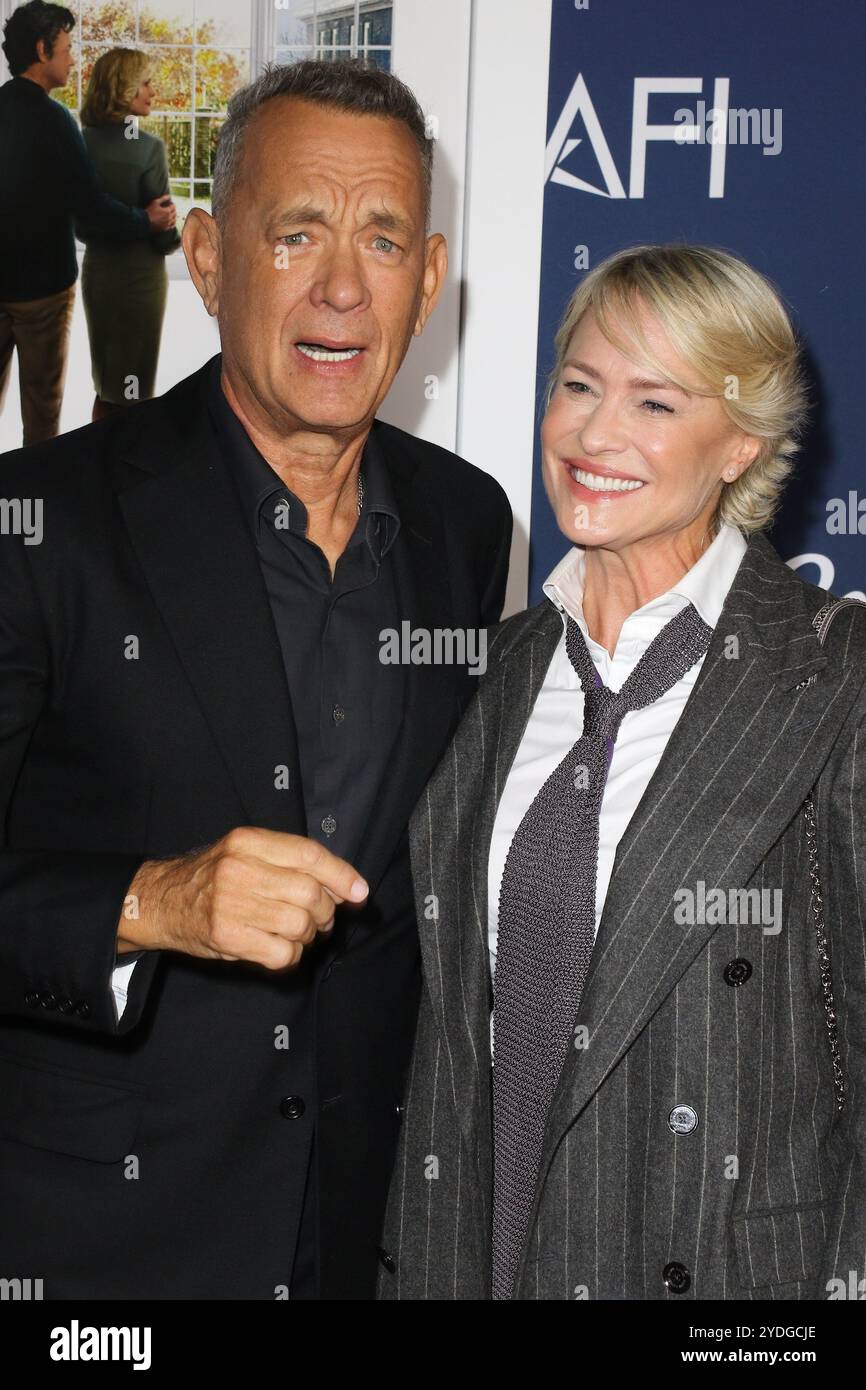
(133, 171)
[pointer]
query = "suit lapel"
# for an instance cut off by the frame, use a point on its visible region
(451, 833)
(188, 532)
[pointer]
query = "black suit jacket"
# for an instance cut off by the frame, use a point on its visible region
(143, 711)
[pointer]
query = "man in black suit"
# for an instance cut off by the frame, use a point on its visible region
(46, 180)
(206, 1021)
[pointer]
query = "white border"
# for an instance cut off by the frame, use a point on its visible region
(502, 255)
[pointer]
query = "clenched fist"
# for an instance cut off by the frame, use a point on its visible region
(255, 895)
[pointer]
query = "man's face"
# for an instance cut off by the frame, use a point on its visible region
(59, 65)
(324, 271)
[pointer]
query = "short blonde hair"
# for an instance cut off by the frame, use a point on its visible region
(111, 89)
(729, 323)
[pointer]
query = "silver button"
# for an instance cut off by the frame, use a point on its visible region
(683, 1119)
(329, 825)
(339, 714)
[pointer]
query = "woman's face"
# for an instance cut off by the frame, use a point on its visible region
(143, 99)
(627, 455)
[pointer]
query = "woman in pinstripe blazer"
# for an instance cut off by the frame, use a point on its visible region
(706, 1136)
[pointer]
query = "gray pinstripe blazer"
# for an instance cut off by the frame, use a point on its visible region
(766, 1197)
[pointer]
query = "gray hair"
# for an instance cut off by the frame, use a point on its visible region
(347, 85)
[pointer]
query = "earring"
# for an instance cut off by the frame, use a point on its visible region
(730, 473)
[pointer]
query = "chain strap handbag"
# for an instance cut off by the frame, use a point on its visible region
(821, 623)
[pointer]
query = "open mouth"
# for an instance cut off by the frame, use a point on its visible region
(319, 352)
(595, 482)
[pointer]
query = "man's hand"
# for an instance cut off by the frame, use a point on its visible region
(161, 213)
(256, 895)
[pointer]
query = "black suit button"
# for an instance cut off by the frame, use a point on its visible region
(737, 971)
(82, 1008)
(401, 1110)
(48, 1000)
(387, 1261)
(677, 1277)
(292, 1107)
(66, 1006)
(31, 998)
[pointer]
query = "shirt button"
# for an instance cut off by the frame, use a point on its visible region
(682, 1119)
(329, 825)
(339, 714)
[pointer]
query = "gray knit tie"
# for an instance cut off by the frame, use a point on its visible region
(547, 925)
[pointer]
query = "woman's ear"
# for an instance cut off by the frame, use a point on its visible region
(745, 454)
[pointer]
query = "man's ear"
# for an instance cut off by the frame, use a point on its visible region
(435, 270)
(201, 246)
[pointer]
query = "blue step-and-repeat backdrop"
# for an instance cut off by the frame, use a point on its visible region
(777, 175)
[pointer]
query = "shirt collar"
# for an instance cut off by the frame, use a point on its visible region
(261, 487)
(705, 585)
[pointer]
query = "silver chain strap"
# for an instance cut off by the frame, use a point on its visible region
(821, 623)
(823, 951)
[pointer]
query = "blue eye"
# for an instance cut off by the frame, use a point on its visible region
(578, 388)
(289, 238)
(658, 408)
(382, 243)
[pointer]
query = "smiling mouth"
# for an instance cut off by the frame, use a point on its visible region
(317, 353)
(594, 482)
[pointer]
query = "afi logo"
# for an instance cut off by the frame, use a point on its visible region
(579, 103)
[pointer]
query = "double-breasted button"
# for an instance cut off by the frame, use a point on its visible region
(387, 1260)
(677, 1277)
(683, 1119)
(48, 1000)
(737, 972)
(82, 1009)
(292, 1107)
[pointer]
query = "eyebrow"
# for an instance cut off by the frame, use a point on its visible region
(637, 383)
(309, 212)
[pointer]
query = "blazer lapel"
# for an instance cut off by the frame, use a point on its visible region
(451, 833)
(751, 741)
(199, 561)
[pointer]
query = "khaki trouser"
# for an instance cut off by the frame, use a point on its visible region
(39, 329)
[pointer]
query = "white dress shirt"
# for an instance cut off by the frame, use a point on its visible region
(556, 721)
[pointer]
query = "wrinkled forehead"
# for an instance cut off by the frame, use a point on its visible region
(330, 156)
